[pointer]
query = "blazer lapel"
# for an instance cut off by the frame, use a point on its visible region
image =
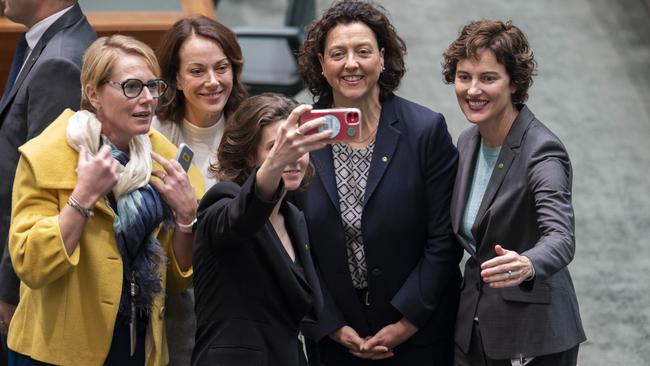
(298, 237)
(322, 160)
(296, 225)
(464, 177)
(498, 174)
(508, 153)
(385, 145)
(66, 20)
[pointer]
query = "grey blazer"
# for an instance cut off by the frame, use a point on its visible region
(47, 85)
(526, 208)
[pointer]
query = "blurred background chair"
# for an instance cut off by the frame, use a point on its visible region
(270, 53)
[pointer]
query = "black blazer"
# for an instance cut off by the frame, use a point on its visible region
(526, 208)
(411, 253)
(250, 296)
(47, 85)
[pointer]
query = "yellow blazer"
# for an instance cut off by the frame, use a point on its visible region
(68, 304)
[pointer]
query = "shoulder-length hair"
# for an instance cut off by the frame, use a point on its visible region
(241, 137)
(346, 12)
(509, 44)
(171, 105)
(101, 56)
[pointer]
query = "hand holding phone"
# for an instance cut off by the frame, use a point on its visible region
(184, 156)
(345, 123)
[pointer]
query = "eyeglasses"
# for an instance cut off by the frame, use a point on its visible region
(133, 87)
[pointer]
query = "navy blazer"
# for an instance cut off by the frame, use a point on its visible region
(526, 208)
(47, 85)
(250, 296)
(411, 253)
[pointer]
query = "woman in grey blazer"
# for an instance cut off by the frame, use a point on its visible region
(511, 209)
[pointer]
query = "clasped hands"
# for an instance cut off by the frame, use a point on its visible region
(379, 346)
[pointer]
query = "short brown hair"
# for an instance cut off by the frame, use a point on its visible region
(100, 58)
(171, 105)
(509, 45)
(242, 135)
(346, 12)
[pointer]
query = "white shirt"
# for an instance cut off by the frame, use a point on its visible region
(204, 142)
(35, 33)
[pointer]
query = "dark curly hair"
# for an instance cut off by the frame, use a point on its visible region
(509, 45)
(171, 106)
(346, 12)
(242, 135)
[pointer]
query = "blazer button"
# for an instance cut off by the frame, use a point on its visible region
(162, 312)
(376, 272)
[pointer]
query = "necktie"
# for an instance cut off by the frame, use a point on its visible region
(16, 65)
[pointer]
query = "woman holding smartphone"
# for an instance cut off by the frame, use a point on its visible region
(254, 278)
(378, 209)
(97, 240)
(202, 62)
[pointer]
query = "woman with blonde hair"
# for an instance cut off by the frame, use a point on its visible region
(100, 220)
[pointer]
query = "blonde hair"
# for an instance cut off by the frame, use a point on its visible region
(100, 58)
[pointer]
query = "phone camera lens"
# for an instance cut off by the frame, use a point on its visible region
(353, 117)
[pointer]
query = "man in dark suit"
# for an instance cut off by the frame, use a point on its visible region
(43, 82)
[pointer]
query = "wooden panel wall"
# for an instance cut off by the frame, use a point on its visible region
(145, 26)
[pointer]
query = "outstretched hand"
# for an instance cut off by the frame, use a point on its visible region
(507, 269)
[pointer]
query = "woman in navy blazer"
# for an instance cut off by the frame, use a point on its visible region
(378, 209)
(254, 279)
(511, 210)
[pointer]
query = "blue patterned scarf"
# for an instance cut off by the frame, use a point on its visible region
(138, 213)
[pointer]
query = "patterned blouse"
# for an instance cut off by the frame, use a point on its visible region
(351, 168)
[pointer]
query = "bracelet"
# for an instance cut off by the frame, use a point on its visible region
(85, 212)
(186, 228)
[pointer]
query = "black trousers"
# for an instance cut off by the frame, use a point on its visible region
(476, 355)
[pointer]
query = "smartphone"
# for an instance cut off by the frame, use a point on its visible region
(184, 156)
(345, 123)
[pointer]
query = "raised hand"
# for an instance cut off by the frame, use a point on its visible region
(96, 175)
(175, 187)
(291, 143)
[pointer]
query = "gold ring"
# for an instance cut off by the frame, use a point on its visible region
(509, 273)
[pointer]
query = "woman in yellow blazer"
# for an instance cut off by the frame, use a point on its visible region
(93, 238)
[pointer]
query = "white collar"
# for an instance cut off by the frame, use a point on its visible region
(35, 33)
